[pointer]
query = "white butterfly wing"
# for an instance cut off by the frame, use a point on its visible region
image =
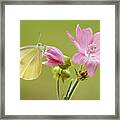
(30, 63)
(24, 50)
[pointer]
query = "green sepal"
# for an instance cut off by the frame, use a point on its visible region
(66, 64)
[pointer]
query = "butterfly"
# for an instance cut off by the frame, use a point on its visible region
(31, 61)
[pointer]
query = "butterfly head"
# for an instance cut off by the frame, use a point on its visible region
(39, 44)
(41, 47)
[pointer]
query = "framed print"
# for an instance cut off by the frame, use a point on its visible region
(60, 59)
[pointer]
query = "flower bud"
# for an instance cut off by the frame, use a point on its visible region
(65, 74)
(56, 71)
(54, 56)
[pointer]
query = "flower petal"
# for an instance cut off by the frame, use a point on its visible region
(73, 40)
(91, 67)
(53, 57)
(79, 58)
(54, 50)
(51, 63)
(87, 36)
(96, 40)
(78, 34)
(97, 55)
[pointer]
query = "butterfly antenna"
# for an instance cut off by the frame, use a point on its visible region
(39, 37)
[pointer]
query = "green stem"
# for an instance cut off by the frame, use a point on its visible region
(58, 87)
(73, 88)
(66, 96)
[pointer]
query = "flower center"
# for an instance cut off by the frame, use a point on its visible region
(91, 50)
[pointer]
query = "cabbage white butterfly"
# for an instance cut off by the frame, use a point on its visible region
(31, 61)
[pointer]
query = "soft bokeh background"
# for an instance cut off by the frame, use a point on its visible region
(54, 34)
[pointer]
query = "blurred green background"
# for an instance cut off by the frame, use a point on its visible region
(54, 34)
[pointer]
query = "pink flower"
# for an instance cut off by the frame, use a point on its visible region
(88, 46)
(54, 56)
